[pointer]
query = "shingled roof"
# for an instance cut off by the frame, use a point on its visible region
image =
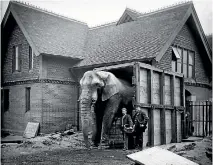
(134, 37)
(140, 39)
(50, 33)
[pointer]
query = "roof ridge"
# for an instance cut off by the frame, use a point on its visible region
(103, 25)
(27, 4)
(133, 10)
(208, 34)
(164, 8)
(145, 13)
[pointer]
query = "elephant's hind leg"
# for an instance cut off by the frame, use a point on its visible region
(109, 114)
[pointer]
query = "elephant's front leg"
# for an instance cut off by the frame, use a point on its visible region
(95, 128)
(109, 114)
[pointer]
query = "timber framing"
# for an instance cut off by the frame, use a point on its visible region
(39, 81)
(198, 84)
(153, 107)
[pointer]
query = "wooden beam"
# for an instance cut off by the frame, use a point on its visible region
(173, 114)
(151, 126)
(183, 103)
(128, 64)
(151, 110)
(150, 67)
(162, 112)
(137, 81)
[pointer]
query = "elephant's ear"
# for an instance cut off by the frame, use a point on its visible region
(81, 81)
(111, 84)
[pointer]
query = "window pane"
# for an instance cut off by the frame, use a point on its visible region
(191, 58)
(179, 51)
(185, 70)
(6, 99)
(184, 56)
(30, 58)
(174, 66)
(190, 71)
(17, 58)
(27, 99)
(179, 67)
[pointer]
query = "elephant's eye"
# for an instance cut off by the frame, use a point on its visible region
(97, 84)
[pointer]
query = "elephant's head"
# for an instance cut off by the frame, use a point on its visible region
(90, 83)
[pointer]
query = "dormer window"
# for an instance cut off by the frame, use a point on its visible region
(183, 61)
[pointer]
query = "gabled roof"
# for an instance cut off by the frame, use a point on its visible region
(143, 38)
(49, 33)
(147, 37)
(134, 37)
(128, 16)
(209, 39)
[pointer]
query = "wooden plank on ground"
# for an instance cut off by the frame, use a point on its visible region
(159, 156)
(31, 130)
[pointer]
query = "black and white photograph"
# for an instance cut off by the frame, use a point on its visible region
(106, 82)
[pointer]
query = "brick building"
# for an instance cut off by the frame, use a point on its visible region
(44, 55)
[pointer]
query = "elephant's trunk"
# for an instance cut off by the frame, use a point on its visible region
(87, 117)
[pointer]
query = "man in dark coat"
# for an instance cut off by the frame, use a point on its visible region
(126, 121)
(140, 121)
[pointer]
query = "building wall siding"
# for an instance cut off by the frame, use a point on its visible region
(18, 38)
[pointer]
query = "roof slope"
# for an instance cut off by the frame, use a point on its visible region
(51, 33)
(139, 39)
(209, 38)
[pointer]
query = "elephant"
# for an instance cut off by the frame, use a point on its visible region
(101, 95)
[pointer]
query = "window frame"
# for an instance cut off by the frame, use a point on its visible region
(184, 63)
(16, 59)
(27, 98)
(31, 56)
(6, 101)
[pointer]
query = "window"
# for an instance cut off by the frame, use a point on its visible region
(30, 58)
(183, 61)
(5, 99)
(16, 59)
(28, 98)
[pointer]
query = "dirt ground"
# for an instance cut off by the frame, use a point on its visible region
(56, 149)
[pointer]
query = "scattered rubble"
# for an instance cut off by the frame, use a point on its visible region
(26, 144)
(198, 151)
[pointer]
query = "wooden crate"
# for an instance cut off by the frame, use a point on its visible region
(160, 94)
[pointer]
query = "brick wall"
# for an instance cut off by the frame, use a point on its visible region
(18, 38)
(59, 106)
(16, 118)
(57, 68)
(186, 40)
(59, 100)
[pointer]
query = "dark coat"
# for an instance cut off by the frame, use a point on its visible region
(140, 119)
(126, 120)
